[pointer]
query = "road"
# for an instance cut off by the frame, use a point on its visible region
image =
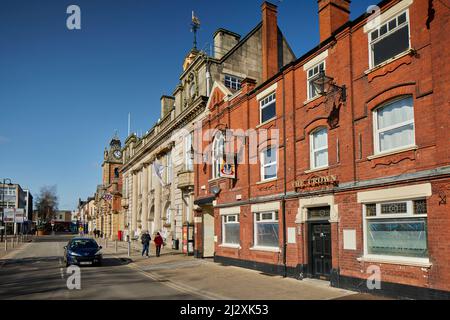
(37, 272)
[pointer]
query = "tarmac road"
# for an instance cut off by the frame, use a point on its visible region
(37, 271)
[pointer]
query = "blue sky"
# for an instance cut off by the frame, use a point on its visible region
(64, 93)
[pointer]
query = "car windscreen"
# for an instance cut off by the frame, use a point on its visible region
(82, 244)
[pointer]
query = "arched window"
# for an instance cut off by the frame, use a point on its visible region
(217, 155)
(319, 148)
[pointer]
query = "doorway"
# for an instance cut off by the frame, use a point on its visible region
(320, 249)
(208, 234)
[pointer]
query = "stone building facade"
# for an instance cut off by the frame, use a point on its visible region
(165, 203)
(352, 180)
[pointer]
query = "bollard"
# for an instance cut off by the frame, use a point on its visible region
(12, 243)
(129, 248)
(115, 245)
(106, 243)
(6, 243)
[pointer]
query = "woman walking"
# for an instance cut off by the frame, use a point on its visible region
(158, 243)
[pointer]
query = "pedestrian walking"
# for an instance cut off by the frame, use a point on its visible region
(95, 233)
(158, 243)
(145, 239)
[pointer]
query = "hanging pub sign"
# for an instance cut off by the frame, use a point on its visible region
(316, 181)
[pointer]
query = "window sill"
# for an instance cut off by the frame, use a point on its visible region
(415, 262)
(267, 181)
(388, 153)
(266, 122)
(317, 169)
(312, 99)
(216, 179)
(229, 245)
(381, 65)
(267, 249)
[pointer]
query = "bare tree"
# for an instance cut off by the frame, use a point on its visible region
(47, 203)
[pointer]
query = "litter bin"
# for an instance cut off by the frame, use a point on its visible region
(175, 244)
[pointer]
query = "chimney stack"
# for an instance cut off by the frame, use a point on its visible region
(269, 40)
(332, 15)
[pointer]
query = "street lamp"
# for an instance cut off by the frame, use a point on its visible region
(3, 205)
(326, 85)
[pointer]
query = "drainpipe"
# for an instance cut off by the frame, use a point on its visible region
(283, 201)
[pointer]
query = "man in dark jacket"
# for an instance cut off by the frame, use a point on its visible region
(145, 238)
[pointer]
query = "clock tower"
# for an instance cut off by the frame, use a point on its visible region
(112, 162)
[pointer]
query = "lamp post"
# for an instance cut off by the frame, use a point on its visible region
(3, 205)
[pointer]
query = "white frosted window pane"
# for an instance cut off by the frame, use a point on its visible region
(232, 233)
(406, 238)
(395, 113)
(321, 158)
(320, 139)
(397, 137)
(267, 234)
(270, 171)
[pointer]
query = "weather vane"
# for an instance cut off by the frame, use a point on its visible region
(195, 25)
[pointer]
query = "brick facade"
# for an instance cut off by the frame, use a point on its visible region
(419, 73)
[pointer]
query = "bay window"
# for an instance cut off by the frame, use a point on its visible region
(230, 229)
(266, 229)
(397, 228)
(394, 125)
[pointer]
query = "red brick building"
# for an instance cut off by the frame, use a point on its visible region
(350, 178)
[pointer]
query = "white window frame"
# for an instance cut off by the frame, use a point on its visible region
(217, 150)
(235, 82)
(264, 165)
(380, 216)
(275, 218)
(377, 132)
(189, 162)
(312, 150)
(264, 102)
(386, 22)
(225, 221)
(313, 77)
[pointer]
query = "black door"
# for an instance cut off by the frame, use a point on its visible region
(320, 237)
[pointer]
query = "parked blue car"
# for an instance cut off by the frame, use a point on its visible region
(82, 251)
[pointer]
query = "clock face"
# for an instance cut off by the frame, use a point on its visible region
(117, 154)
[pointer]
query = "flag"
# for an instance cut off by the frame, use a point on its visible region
(158, 171)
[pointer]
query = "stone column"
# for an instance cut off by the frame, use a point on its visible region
(134, 205)
(144, 217)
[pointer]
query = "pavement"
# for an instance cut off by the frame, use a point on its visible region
(215, 281)
(35, 270)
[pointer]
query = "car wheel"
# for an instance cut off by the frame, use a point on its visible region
(99, 263)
